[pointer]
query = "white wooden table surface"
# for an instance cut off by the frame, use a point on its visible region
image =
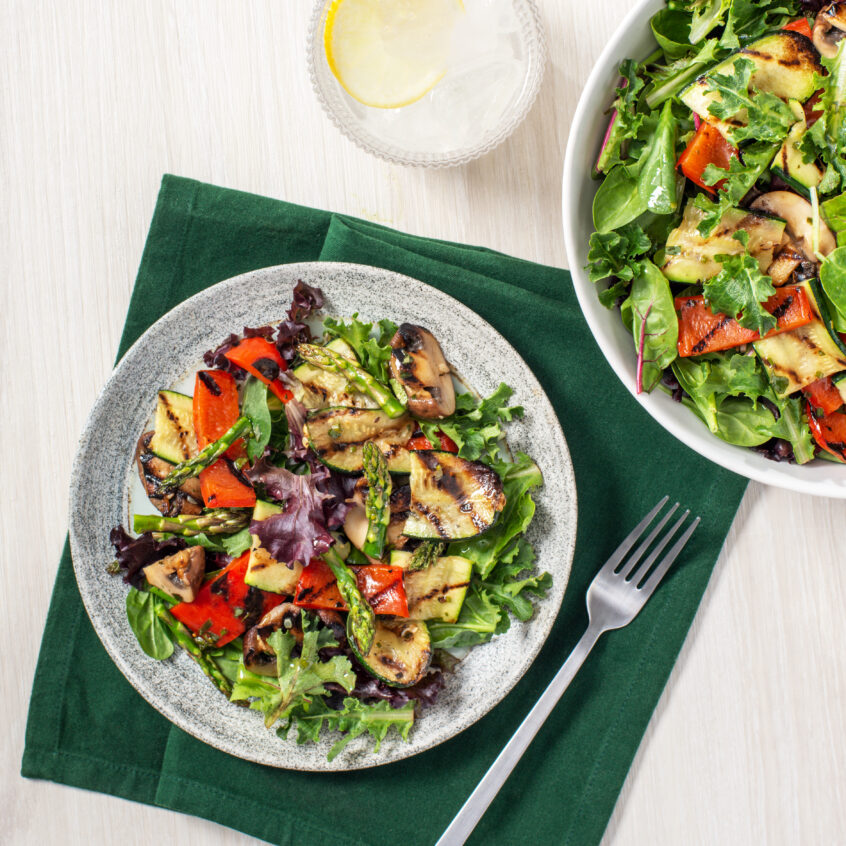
(97, 100)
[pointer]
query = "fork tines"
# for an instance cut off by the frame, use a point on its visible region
(641, 577)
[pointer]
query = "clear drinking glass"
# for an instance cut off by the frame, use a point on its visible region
(495, 71)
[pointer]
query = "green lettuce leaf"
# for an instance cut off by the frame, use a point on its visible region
(353, 719)
(518, 479)
(476, 425)
(372, 346)
(300, 679)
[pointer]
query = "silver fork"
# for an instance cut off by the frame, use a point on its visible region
(614, 599)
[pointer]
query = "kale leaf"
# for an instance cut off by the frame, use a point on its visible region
(740, 289)
(617, 253)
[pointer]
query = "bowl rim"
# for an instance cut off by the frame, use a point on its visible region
(689, 430)
(538, 55)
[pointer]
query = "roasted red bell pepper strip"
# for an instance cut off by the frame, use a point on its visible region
(829, 431)
(381, 586)
(823, 395)
(702, 331)
(801, 26)
(222, 487)
(218, 612)
(706, 147)
(419, 442)
(215, 408)
(261, 358)
(215, 411)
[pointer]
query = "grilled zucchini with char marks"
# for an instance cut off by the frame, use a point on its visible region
(338, 436)
(400, 653)
(451, 498)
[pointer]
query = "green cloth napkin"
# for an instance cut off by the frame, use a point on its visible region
(87, 727)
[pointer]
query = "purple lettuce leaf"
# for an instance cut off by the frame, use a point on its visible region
(301, 531)
(133, 554)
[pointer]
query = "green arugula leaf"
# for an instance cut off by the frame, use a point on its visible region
(238, 543)
(476, 425)
(707, 14)
(627, 119)
(353, 719)
(373, 353)
(477, 622)
(765, 116)
(507, 590)
(827, 137)
(740, 289)
(254, 406)
(152, 634)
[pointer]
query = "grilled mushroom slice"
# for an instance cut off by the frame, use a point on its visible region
(180, 574)
(259, 656)
(186, 500)
(797, 212)
(830, 29)
(418, 364)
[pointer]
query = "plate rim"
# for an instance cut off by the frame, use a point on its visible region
(660, 407)
(126, 362)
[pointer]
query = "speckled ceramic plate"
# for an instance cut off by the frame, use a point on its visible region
(173, 347)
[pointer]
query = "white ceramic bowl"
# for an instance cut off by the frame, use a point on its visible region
(634, 40)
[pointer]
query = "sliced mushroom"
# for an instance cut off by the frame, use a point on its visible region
(785, 263)
(355, 524)
(418, 364)
(186, 500)
(180, 574)
(259, 656)
(830, 29)
(797, 212)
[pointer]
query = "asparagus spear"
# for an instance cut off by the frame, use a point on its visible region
(361, 623)
(186, 641)
(205, 457)
(221, 521)
(425, 555)
(333, 362)
(378, 503)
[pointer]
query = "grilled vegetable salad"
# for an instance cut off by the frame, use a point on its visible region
(721, 219)
(331, 518)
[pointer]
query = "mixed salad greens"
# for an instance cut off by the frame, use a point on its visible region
(721, 219)
(335, 524)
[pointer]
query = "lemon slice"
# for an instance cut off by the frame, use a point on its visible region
(389, 53)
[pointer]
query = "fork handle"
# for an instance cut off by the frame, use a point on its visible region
(477, 803)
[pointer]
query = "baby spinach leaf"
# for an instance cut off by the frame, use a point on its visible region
(671, 28)
(650, 313)
(255, 407)
(834, 212)
(618, 200)
(740, 289)
(152, 634)
(657, 178)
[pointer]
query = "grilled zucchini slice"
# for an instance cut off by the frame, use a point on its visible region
(319, 388)
(789, 164)
(785, 64)
(451, 498)
(436, 593)
(174, 439)
(338, 436)
(264, 571)
(400, 653)
(691, 257)
(795, 359)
